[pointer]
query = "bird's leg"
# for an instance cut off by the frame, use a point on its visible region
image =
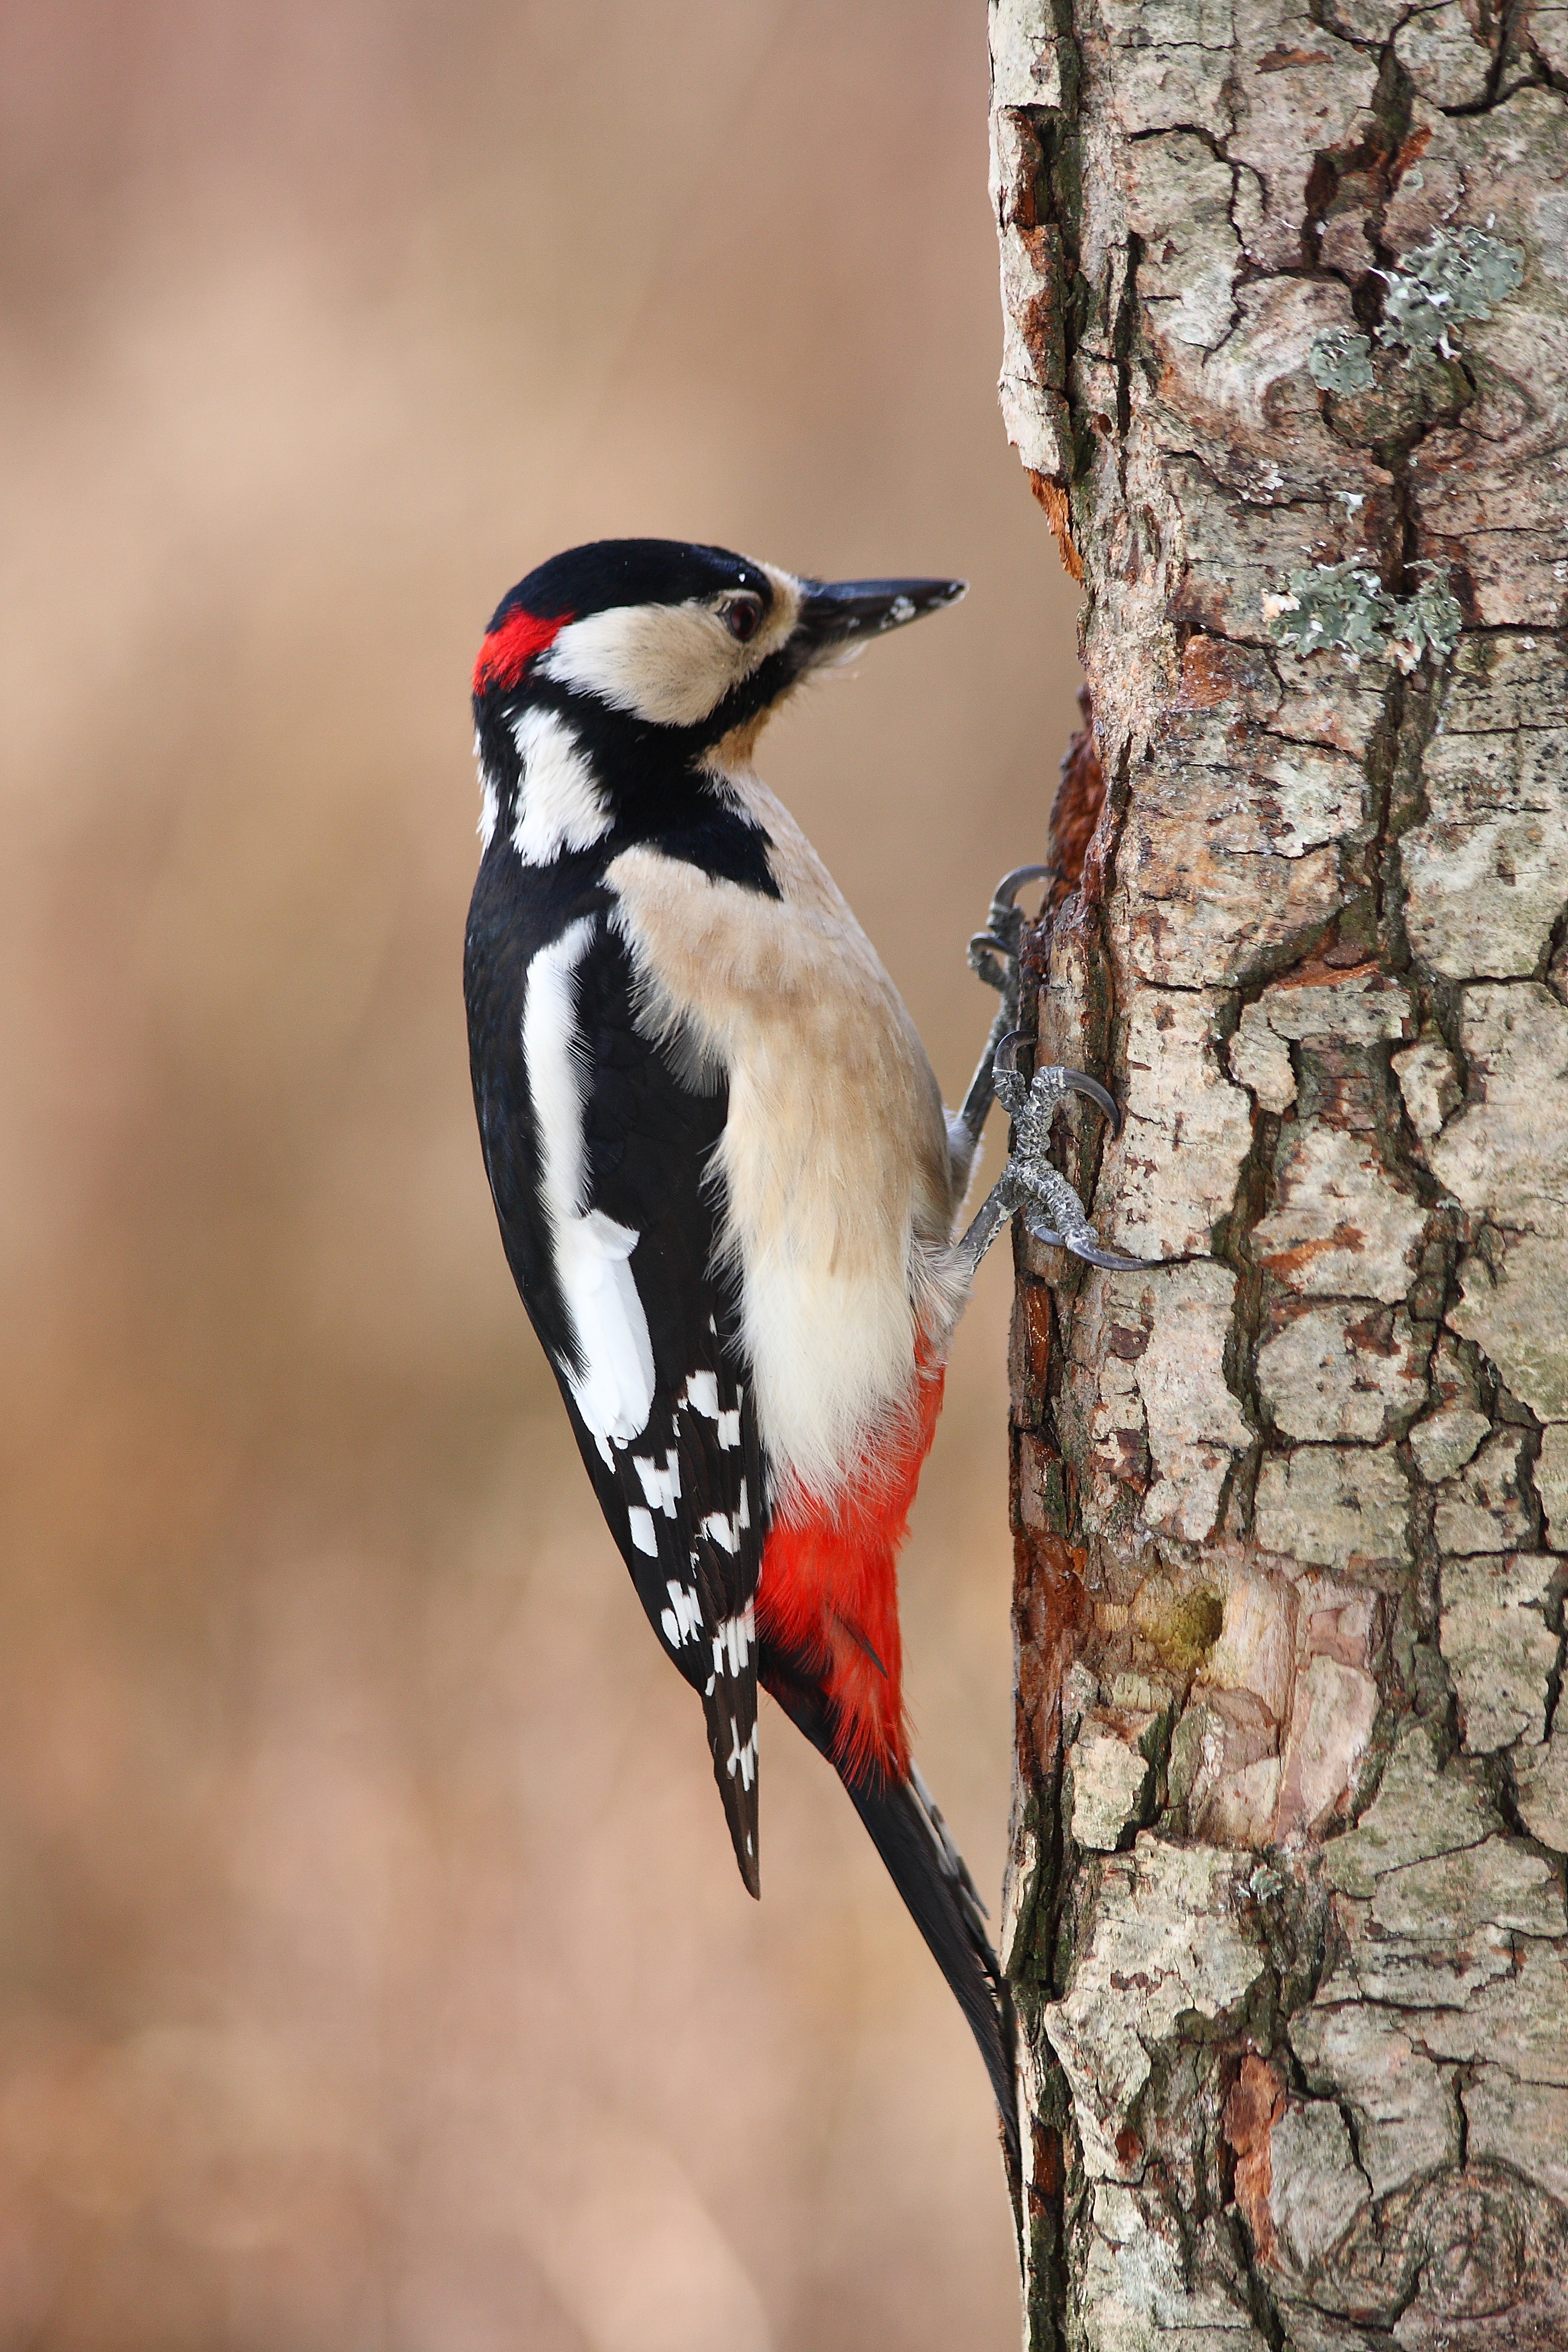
(1051, 1208)
(994, 955)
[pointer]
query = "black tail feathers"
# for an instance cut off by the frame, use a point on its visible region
(927, 1870)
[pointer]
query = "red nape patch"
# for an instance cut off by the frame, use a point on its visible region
(829, 1591)
(506, 651)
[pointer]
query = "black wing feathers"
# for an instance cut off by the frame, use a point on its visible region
(691, 1524)
(683, 1497)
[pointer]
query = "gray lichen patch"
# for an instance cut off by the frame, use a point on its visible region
(1427, 622)
(1341, 360)
(1345, 608)
(1461, 274)
(1331, 607)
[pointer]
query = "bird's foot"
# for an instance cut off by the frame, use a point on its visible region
(995, 953)
(1029, 1186)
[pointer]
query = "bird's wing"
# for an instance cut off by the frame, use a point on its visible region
(641, 1327)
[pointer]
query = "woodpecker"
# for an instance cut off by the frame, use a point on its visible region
(726, 1185)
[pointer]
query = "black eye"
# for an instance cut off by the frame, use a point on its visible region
(744, 616)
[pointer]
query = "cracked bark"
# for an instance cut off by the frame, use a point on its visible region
(1285, 1913)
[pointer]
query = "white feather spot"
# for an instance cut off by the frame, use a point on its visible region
(682, 1620)
(613, 1389)
(742, 1756)
(730, 1430)
(702, 1395)
(559, 803)
(660, 1483)
(732, 1642)
(725, 1532)
(642, 1531)
(743, 1516)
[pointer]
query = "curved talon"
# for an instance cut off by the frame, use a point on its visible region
(988, 939)
(1011, 884)
(1078, 1082)
(1111, 1260)
(1008, 1045)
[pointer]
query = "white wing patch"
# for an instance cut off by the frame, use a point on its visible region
(660, 1484)
(727, 1532)
(559, 803)
(614, 1392)
(682, 1620)
(702, 1394)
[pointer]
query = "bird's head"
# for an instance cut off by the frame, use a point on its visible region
(666, 656)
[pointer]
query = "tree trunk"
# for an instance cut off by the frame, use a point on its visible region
(1286, 297)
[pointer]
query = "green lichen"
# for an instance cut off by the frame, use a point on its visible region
(1428, 622)
(1341, 360)
(1455, 276)
(1340, 607)
(1345, 608)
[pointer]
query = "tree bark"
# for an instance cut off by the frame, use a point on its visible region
(1286, 337)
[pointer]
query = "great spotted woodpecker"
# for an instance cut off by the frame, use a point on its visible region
(726, 1185)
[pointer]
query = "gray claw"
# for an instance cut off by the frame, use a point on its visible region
(992, 950)
(1037, 1098)
(1011, 884)
(1078, 1082)
(1110, 1260)
(989, 959)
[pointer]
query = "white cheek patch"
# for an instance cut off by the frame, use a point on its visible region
(614, 1390)
(559, 803)
(668, 663)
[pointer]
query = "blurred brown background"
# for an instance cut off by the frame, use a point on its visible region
(373, 1971)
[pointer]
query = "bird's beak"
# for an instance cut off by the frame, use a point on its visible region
(838, 615)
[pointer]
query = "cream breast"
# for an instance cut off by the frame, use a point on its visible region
(839, 1193)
